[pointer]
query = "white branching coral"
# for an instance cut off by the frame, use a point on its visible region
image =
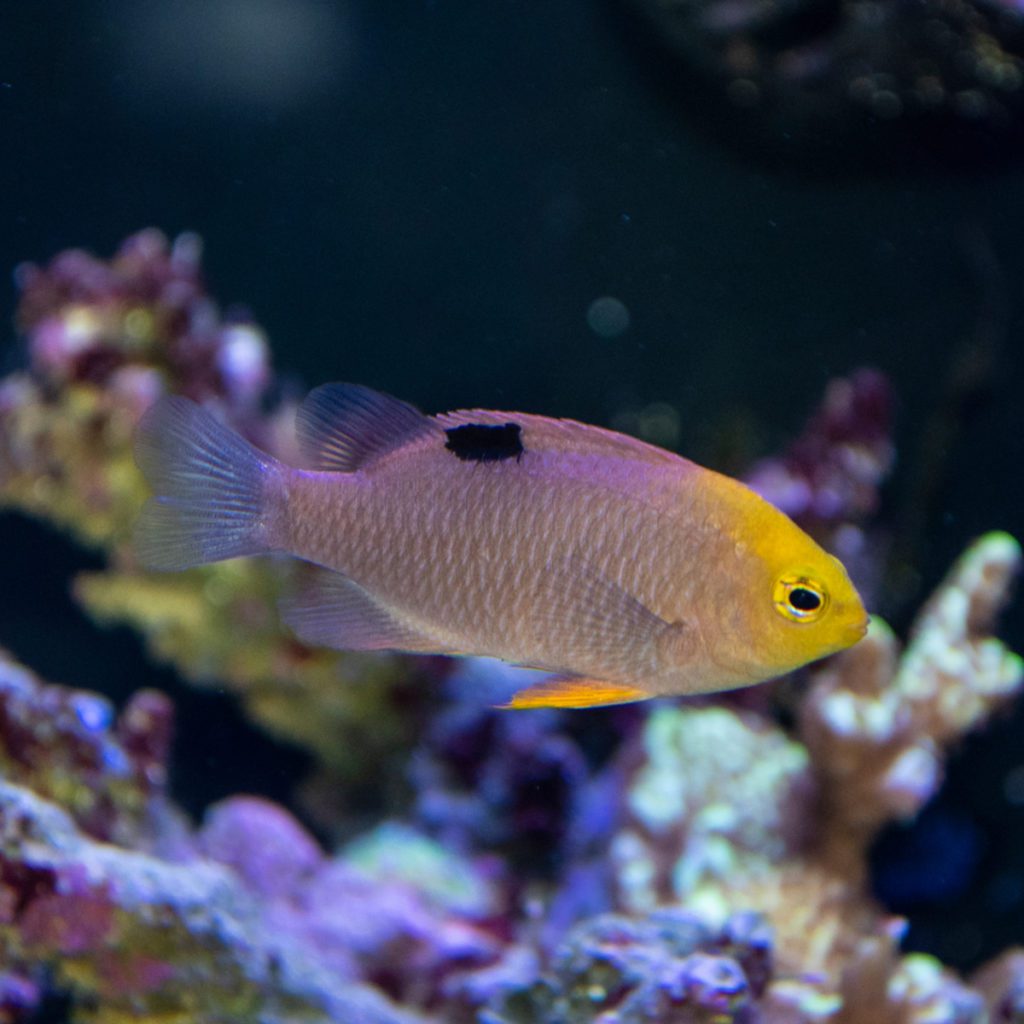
(876, 722)
(873, 732)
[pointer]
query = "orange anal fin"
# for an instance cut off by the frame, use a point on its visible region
(574, 692)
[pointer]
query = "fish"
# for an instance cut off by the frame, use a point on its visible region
(624, 570)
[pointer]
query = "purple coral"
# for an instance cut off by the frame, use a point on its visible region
(533, 788)
(250, 900)
(93, 320)
(263, 844)
(490, 780)
(669, 966)
(19, 997)
(830, 475)
(829, 479)
(105, 339)
(65, 743)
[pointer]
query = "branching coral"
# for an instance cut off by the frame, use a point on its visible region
(830, 475)
(876, 722)
(725, 812)
(762, 838)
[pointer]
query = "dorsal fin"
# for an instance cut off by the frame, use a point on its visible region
(327, 609)
(541, 433)
(341, 427)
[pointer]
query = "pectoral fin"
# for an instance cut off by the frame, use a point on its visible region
(575, 692)
(626, 639)
(326, 609)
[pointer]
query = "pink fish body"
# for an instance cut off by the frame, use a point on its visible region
(627, 570)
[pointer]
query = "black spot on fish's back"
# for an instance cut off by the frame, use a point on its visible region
(483, 442)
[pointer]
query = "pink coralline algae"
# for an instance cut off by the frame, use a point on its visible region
(692, 863)
(670, 966)
(147, 938)
(90, 320)
(110, 773)
(141, 924)
(830, 474)
(105, 340)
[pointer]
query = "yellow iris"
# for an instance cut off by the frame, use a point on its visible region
(799, 598)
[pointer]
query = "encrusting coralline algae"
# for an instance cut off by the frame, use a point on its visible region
(685, 863)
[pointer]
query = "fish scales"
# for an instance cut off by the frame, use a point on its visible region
(629, 570)
(500, 526)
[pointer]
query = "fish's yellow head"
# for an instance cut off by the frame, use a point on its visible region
(815, 610)
(798, 602)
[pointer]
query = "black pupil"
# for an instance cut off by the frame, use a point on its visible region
(804, 600)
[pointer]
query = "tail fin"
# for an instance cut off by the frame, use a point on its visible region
(211, 489)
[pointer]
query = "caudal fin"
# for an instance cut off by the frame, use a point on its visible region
(211, 489)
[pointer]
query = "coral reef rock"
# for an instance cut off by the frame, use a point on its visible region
(104, 340)
(674, 863)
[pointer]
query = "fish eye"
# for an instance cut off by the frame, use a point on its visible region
(799, 598)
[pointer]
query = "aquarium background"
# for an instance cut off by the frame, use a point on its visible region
(430, 198)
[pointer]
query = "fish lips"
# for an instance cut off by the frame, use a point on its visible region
(856, 631)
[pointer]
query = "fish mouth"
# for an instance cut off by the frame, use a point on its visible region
(858, 630)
